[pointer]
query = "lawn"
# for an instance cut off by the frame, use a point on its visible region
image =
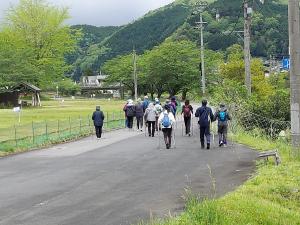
(56, 110)
(54, 122)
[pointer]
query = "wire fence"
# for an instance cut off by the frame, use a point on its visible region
(257, 125)
(38, 134)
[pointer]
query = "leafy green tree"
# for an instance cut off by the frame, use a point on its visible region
(120, 70)
(175, 66)
(41, 30)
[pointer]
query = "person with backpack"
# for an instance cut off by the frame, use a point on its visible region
(139, 113)
(187, 112)
(98, 118)
(158, 110)
(145, 103)
(205, 115)
(130, 113)
(167, 119)
(222, 115)
(150, 118)
(171, 107)
(174, 104)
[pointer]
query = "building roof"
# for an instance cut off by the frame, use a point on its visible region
(21, 87)
(26, 86)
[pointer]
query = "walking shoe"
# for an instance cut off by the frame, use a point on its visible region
(168, 146)
(189, 134)
(208, 146)
(225, 146)
(221, 144)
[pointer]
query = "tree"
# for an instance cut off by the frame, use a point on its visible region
(120, 70)
(173, 66)
(40, 29)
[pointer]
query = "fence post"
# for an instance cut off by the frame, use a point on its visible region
(80, 124)
(120, 119)
(58, 132)
(46, 130)
(70, 126)
(90, 130)
(16, 136)
(107, 121)
(33, 133)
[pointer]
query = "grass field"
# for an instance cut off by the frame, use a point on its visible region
(56, 110)
(54, 122)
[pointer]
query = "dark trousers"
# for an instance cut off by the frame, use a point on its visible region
(151, 128)
(139, 122)
(167, 135)
(130, 121)
(222, 131)
(187, 123)
(98, 131)
(204, 131)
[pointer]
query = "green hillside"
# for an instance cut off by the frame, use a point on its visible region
(269, 31)
(269, 27)
(143, 34)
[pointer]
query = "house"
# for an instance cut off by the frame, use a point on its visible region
(96, 86)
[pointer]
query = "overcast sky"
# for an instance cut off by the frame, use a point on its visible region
(100, 12)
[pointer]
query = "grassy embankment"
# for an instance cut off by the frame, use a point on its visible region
(270, 197)
(54, 122)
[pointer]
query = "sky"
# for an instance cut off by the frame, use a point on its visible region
(100, 12)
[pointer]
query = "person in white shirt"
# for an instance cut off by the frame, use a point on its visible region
(167, 120)
(158, 109)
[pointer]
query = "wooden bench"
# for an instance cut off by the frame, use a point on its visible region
(273, 153)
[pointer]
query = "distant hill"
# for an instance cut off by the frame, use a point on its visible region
(269, 31)
(142, 34)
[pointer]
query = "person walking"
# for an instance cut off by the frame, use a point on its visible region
(187, 112)
(205, 115)
(124, 109)
(158, 110)
(166, 120)
(145, 103)
(98, 118)
(139, 113)
(130, 113)
(174, 104)
(222, 115)
(150, 118)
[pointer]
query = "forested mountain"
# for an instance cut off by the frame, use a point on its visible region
(269, 31)
(269, 27)
(142, 35)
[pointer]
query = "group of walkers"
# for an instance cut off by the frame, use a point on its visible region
(206, 117)
(158, 117)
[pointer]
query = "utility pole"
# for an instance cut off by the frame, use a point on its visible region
(200, 25)
(247, 53)
(294, 39)
(135, 80)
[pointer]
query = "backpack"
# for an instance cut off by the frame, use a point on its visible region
(130, 111)
(222, 116)
(166, 121)
(158, 108)
(204, 116)
(187, 111)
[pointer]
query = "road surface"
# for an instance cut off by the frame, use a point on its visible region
(119, 180)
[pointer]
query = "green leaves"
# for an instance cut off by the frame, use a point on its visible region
(38, 40)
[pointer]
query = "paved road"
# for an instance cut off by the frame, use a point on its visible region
(118, 180)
